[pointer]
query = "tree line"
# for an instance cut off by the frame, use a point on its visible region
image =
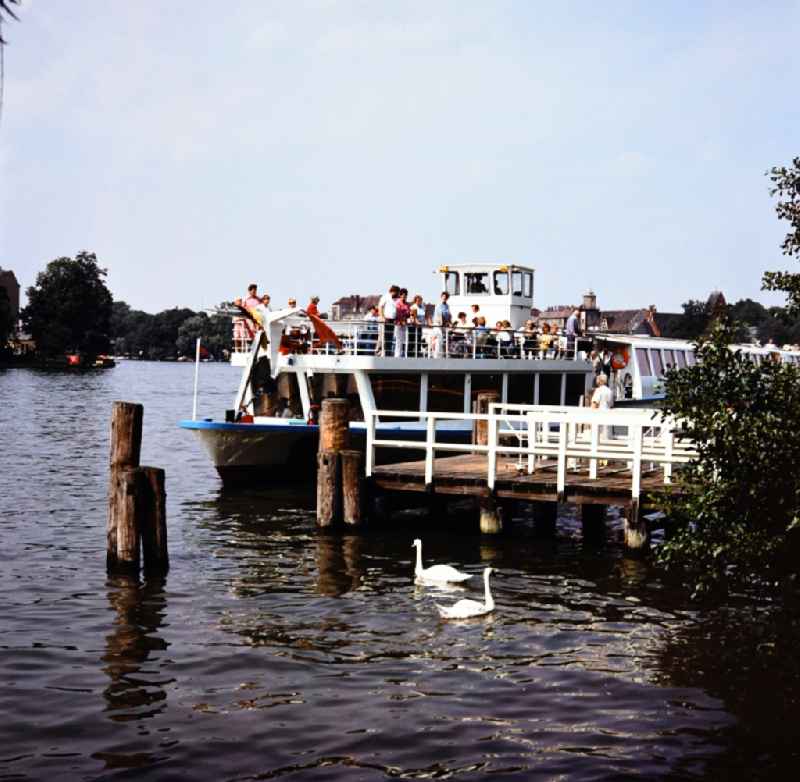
(71, 310)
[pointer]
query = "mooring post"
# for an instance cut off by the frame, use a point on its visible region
(122, 538)
(352, 487)
(328, 488)
(480, 429)
(637, 536)
(153, 521)
(545, 515)
(334, 430)
(491, 515)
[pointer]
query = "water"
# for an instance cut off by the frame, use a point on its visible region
(271, 651)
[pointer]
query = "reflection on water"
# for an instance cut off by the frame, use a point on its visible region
(273, 650)
(133, 692)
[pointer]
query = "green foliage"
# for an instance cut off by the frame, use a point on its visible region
(786, 186)
(69, 308)
(693, 322)
(737, 522)
(168, 334)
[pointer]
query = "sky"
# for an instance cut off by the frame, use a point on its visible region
(332, 147)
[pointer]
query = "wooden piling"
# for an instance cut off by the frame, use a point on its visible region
(352, 487)
(480, 429)
(637, 536)
(123, 510)
(328, 488)
(153, 520)
(334, 430)
(126, 434)
(491, 516)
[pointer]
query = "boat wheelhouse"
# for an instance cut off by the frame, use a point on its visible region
(295, 362)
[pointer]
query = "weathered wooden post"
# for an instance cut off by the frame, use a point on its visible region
(334, 437)
(334, 431)
(122, 550)
(480, 429)
(137, 515)
(637, 535)
(352, 487)
(153, 526)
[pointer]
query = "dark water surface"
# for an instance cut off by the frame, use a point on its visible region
(270, 651)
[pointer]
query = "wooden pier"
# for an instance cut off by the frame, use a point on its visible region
(542, 455)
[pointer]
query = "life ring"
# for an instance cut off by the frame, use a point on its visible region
(619, 359)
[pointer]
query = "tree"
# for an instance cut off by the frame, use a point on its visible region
(6, 319)
(693, 322)
(786, 186)
(69, 308)
(738, 519)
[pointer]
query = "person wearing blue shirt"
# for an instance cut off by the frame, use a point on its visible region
(441, 320)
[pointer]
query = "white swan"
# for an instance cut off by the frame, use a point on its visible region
(465, 609)
(437, 574)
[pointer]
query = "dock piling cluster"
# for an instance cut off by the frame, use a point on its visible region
(136, 529)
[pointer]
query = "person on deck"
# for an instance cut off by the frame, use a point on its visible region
(387, 307)
(602, 397)
(416, 320)
(441, 320)
(573, 331)
(401, 315)
(311, 307)
(252, 300)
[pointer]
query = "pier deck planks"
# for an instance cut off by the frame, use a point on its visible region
(466, 475)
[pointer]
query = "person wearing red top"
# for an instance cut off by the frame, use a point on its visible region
(402, 311)
(312, 308)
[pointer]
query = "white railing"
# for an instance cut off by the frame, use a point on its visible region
(566, 436)
(373, 338)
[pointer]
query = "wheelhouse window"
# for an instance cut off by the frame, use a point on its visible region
(644, 361)
(658, 366)
(476, 283)
(445, 393)
(451, 283)
(669, 357)
(521, 284)
(501, 283)
(681, 357)
(690, 358)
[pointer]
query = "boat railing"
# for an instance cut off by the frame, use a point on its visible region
(375, 338)
(571, 438)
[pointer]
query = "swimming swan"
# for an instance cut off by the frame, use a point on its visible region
(438, 574)
(465, 609)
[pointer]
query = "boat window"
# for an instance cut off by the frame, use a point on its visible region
(339, 385)
(550, 388)
(395, 392)
(451, 283)
(658, 366)
(445, 393)
(669, 358)
(476, 283)
(516, 284)
(520, 388)
(486, 383)
(690, 358)
(576, 388)
(527, 285)
(644, 362)
(681, 356)
(501, 283)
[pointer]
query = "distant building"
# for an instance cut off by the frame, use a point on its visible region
(8, 281)
(356, 307)
(644, 320)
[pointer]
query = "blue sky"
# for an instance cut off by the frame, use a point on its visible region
(332, 147)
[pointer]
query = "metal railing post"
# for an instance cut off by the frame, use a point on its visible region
(492, 455)
(594, 433)
(562, 460)
(636, 477)
(370, 461)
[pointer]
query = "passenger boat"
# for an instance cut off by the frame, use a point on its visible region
(293, 363)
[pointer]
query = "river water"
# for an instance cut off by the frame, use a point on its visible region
(272, 651)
